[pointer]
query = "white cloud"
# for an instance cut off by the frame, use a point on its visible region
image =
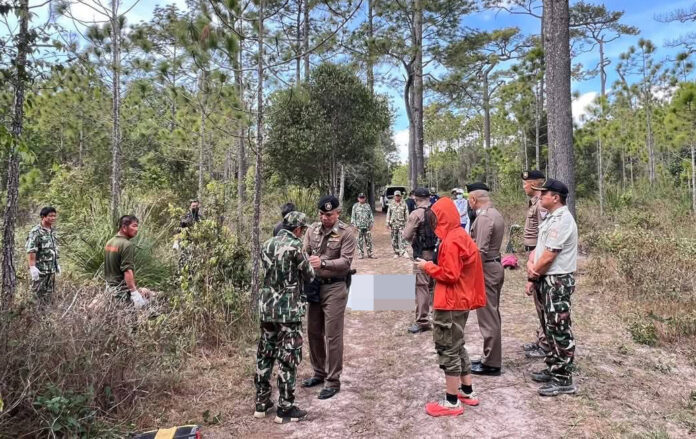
(581, 106)
(401, 140)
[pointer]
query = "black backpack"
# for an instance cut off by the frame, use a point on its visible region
(425, 238)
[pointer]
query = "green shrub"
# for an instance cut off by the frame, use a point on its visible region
(644, 332)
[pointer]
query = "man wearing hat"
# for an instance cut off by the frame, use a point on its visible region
(397, 215)
(487, 231)
(535, 213)
(281, 308)
(362, 219)
(423, 242)
(331, 246)
(460, 201)
(550, 271)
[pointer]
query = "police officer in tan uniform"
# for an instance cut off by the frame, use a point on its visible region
(487, 231)
(330, 244)
(535, 214)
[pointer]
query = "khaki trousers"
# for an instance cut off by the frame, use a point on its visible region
(489, 315)
(424, 284)
(325, 333)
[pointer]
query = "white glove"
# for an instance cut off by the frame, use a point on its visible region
(137, 299)
(176, 245)
(58, 270)
(34, 272)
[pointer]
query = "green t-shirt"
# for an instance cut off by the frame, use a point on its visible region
(119, 257)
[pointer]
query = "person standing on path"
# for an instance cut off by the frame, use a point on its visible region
(397, 215)
(361, 217)
(487, 231)
(42, 254)
(119, 263)
(331, 246)
(535, 214)
(462, 207)
(550, 271)
(459, 288)
(282, 305)
(421, 235)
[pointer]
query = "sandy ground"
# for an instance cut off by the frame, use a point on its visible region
(625, 390)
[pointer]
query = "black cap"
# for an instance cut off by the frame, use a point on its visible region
(553, 185)
(421, 192)
(533, 174)
(478, 186)
(361, 195)
(327, 203)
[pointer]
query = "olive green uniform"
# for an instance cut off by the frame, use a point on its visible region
(119, 257)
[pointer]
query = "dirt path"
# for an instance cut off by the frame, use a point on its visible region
(389, 375)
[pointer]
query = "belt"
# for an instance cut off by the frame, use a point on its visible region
(529, 248)
(331, 280)
(493, 260)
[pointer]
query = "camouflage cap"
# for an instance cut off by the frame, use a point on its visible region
(295, 219)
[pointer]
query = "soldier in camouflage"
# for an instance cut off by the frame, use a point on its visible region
(362, 219)
(42, 252)
(282, 305)
(397, 215)
(550, 272)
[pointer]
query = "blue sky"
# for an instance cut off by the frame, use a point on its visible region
(639, 13)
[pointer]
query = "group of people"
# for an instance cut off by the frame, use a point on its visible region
(457, 262)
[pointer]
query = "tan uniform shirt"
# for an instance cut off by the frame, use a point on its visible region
(488, 231)
(535, 214)
(558, 232)
(415, 218)
(339, 249)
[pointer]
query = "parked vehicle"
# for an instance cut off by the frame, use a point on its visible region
(388, 194)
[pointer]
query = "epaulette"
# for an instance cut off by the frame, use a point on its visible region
(342, 225)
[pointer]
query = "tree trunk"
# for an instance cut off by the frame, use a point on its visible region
(342, 184)
(9, 274)
(116, 111)
(305, 40)
(538, 112)
(371, 193)
(524, 149)
(408, 92)
(241, 133)
(560, 118)
(693, 177)
(487, 122)
(298, 42)
(256, 229)
(600, 177)
(201, 134)
(418, 88)
(370, 64)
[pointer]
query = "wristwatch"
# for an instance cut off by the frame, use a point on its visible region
(323, 263)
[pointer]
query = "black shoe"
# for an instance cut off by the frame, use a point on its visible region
(416, 328)
(536, 353)
(311, 382)
(293, 414)
(328, 392)
(530, 347)
(543, 376)
(482, 369)
(262, 408)
(554, 389)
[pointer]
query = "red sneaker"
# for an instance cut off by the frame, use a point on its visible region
(444, 408)
(468, 398)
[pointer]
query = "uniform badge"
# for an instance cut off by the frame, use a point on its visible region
(327, 206)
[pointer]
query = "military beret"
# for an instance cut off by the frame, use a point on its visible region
(421, 192)
(553, 185)
(327, 203)
(361, 195)
(478, 186)
(533, 175)
(294, 220)
(397, 193)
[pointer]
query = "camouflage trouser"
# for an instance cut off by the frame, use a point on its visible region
(556, 291)
(397, 240)
(282, 342)
(448, 334)
(365, 239)
(43, 288)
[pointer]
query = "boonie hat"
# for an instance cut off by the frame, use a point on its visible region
(553, 185)
(533, 174)
(327, 203)
(295, 219)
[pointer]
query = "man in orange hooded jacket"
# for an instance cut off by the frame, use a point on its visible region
(459, 288)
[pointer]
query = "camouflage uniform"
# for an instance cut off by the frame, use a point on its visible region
(282, 305)
(556, 291)
(184, 244)
(397, 215)
(44, 243)
(362, 219)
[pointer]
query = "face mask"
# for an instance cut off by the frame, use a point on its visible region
(460, 196)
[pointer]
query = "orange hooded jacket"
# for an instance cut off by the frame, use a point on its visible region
(459, 270)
